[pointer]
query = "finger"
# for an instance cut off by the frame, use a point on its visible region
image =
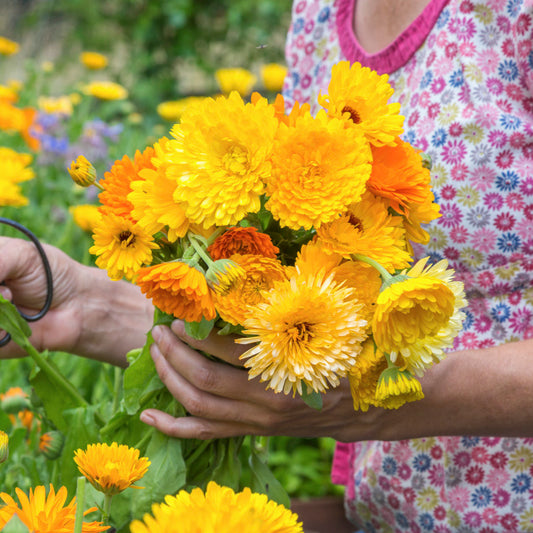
(6, 293)
(221, 346)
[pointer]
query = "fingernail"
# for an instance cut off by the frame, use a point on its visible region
(157, 333)
(147, 418)
(178, 327)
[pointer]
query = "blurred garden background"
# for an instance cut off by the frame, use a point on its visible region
(146, 59)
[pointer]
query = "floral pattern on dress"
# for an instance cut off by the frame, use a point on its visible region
(467, 97)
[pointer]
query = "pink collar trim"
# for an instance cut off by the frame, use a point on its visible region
(399, 51)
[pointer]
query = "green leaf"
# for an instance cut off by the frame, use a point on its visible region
(311, 398)
(199, 330)
(264, 481)
(15, 526)
(226, 468)
(13, 323)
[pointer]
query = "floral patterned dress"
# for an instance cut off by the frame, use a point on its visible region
(463, 72)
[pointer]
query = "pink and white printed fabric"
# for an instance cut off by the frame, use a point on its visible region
(463, 72)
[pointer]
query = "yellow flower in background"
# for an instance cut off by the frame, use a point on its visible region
(417, 317)
(307, 331)
(4, 447)
(86, 216)
(14, 168)
(273, 76)
(122, 246)
(368, 229)
(8, 47)
(172, 110)
(364, 375)
(60, 104)
(106, 90)
(82, 172)
(7, 94)
(261, 275)
(220, 159)
(47, 66)
(360, 97)
(42, 513)
(93, 60)
(235, 79)
(177, 289)
(318, 168)
(397, 387)
(152, 198)
(218, 510)
(111, 468)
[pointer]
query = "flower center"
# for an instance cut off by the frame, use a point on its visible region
(235, 160)
(126, 238)
(356, 223)
(300, 332)
(354, 115)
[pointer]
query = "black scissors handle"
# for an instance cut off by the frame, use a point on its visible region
(47, 271)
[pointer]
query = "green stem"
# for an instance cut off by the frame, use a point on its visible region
(117, 389)
(200, 251)
(106, 508)
(147, 436)
(199, 450)
(382, 271)
(80, 503)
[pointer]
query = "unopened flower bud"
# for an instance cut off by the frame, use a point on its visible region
(82, 172)
(14, 404)
(51, 444)
(4, 447)
(223, 274)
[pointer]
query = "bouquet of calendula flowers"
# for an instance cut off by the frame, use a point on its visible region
(294, 230)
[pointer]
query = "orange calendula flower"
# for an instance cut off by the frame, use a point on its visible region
(418, 315)
(111, 468)
(360, 96)
(398, 174)
(242, 241)
(82, 172)
(106, 90)
(308, 330)
(218, 510)
(93, 60)
(152, 197)
(122, 247)
(367, 228)
(261, 274)
(419, 214)
(318, 169)
(235, 79)
(42, 513)
(220, 159)
(178, 289)
(116, 183)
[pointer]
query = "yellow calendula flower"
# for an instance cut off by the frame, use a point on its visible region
(172, 110)
(106, 90)
(273, 76)
(42, 513)
(93, 60)
(14, 168)
(235, 79)
(61, 104)
(367, 228)
(220, 159)
(417, 317)
(8, 95)
(360, 96)
(318, 168)
(152, 197)
(397, 387)
(218, 510)
(4, 446)
(111, 468)
(307, 331)
(313, 256)
(364, 375)
(82, 172)
(122, 246)
(8, 47)
(86, 216)
(260, 275)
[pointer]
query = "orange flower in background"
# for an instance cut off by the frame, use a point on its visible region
(318, 169)
(178, 289)
(15, 400)
(46, 514)
(420, 214)
(242, 241)
(399, 175)
(261, 274)
(111, 468)
(116, 183)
